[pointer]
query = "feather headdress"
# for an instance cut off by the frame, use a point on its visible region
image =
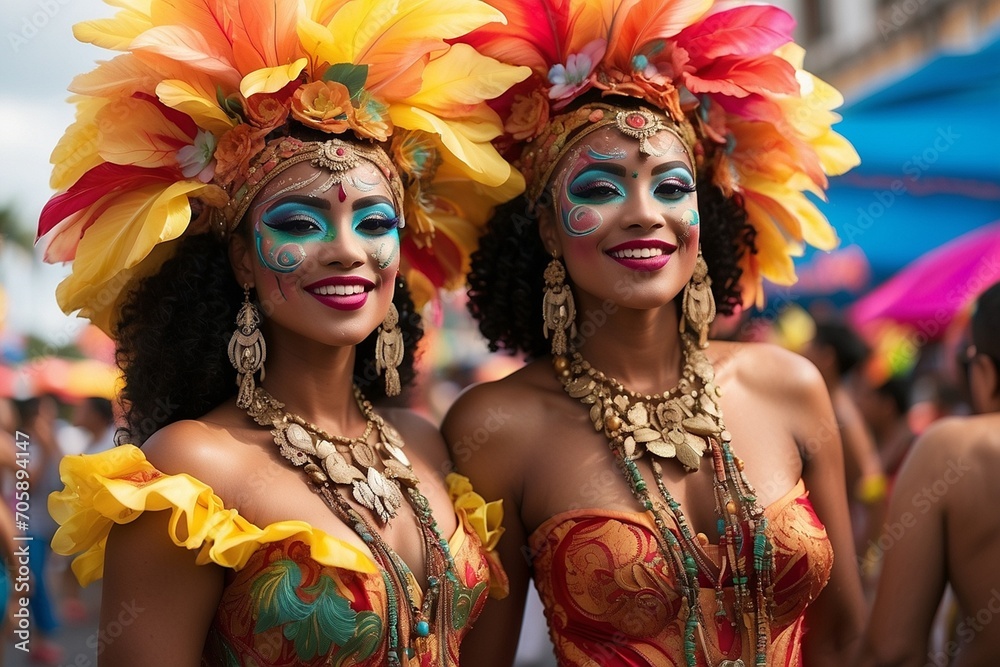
(182, 113)
(729, 70)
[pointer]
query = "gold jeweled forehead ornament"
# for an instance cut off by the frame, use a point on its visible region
(641, 124)
(335, 155)
(540, 158)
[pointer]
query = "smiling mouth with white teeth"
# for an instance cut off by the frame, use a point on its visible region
(637, 253)
(338, 290)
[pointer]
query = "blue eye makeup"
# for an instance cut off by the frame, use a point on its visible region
(295, 219)
(595, 187)
(376, 220)
(676, 184)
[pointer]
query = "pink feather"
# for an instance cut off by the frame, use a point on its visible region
(747, 31)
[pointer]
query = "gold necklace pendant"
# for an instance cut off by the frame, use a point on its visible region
(677, 424)
(339, 459)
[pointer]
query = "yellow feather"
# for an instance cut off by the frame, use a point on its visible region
(123, 237)
(836, 153)
(467, 139)
(271, 79)
(121, 76)
(811, 225)
(462, 77)
(76, 152)
(115, 33)
(206, 113)
(773, 249)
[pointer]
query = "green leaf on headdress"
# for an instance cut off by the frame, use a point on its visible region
(230, 105)
(351, 75)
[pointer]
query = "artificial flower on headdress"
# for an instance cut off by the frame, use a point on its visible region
(186, 109)
(730, 71)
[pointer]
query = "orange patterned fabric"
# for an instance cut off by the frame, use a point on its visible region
(612, 600)
(284, 609)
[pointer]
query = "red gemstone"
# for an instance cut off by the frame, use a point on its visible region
(635, 120)
(340, 151)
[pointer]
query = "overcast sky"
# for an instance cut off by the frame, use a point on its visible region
(40, 57)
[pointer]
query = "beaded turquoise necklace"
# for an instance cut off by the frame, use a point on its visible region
(686, 423)
(328, 463)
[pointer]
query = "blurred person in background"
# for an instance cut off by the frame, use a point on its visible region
(945, 526)
(94, 417)
(885, 406)
(838, 351)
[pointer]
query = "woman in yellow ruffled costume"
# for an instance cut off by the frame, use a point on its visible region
(254, 189)
(677, 501)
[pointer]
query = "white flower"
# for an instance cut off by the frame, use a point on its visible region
(197, 160)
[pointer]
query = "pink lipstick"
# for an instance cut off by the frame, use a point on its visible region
(642, 254)
(341, 292)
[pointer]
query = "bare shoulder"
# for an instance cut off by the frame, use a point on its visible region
(207, 451)
(492, 427)
(767, 367)
(968, 439)
(504, 408)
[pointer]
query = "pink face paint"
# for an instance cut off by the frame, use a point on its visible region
(581, 220)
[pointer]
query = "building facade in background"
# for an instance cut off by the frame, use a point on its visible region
(857, 44)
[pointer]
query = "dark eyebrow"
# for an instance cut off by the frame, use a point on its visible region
(613, 169)
(372, 200)
(669, 166)
(312, 202)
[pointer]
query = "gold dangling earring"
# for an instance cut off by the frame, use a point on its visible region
(247, 350)
(698, 303)
(558, 308)
(389, 351)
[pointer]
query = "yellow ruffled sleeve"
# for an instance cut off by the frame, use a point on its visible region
(486, 520)
(118, 485)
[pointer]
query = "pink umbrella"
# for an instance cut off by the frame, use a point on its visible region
(927, 294)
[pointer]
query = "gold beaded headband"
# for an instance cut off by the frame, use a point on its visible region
(539, 159)
(336, 155)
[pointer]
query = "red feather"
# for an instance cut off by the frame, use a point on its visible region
(98, 182)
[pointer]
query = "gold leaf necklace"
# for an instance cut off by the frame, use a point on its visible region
(353, 462)
(676, 424)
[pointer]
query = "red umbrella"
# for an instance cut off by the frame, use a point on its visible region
(928, 293)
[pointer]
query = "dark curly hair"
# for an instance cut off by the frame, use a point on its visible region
(174, 330)
(505, 277)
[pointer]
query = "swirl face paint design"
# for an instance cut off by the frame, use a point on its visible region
(578, 218)
(691, 218)
(281, 233)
